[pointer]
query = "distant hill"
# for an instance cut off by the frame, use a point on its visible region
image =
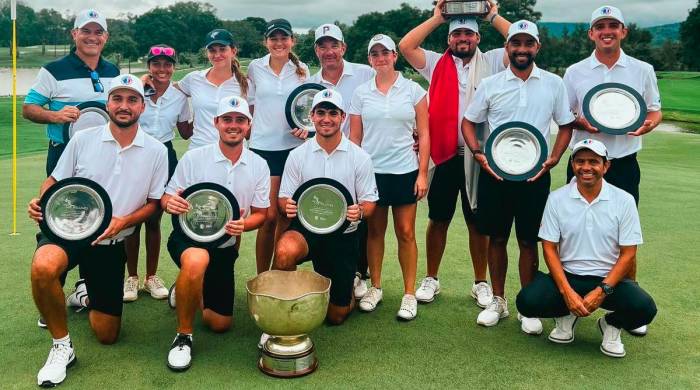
(660, 33)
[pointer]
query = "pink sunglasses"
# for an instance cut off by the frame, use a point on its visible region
(158, 50)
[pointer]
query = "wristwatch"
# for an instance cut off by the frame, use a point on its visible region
(607, 289)
(476, 151)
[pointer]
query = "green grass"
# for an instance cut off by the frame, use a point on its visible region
(680, 96)
(442, 348)
(31, 56)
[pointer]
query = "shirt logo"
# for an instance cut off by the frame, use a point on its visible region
(522, 26)
(605, 11)
(127, 80)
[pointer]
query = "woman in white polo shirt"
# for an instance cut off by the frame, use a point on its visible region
(272, 78)
(206, 87)
(166, 108)
(383, 115)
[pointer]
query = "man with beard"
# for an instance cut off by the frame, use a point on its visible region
(609, 63)
(63, 84)
(590, 232)
(453, 78)
(206, 274)
(329, 154)
(522, 93)
(132, 167)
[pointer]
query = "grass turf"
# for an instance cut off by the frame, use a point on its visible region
(442, 348)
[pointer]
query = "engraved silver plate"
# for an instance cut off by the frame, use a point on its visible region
(92, 114)
(299, 105)
(460, 8)
(210, 213)
(614, 108)
(322, 209)
(516, 151)
(74, 212)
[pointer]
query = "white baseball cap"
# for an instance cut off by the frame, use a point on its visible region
(126, 81)
(381, 39)
(468, 23)
(523, 27)
(89, 16)
(594, 146)
(607, 12)
(328, 95)
(233, 103)
(328, 30)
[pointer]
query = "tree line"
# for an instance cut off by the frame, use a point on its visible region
(184, 24)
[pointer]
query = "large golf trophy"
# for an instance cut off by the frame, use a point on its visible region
(460, 8)
(288, 305)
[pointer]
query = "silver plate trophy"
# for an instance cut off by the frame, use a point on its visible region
(75, 211)
(516, 151)
(322, 205)
(92, 114)
(288, 305)
(614, 108)
(298, 107)
(212, 207)
(461, 8)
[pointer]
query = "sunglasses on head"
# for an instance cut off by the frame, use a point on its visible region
(159, 50)
(96, 83)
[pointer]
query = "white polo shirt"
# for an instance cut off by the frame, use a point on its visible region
(248, 179)
(353, 76)
(504, 97)
(348, 164)
(269, 92)
(205, 98)
(130, 175)
(388, 122)
(584, 75)
(494, 58)
(590, 235)
(162, 116)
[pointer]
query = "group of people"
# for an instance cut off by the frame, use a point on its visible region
(388, 141)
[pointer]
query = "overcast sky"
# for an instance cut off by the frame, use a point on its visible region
(310, 13)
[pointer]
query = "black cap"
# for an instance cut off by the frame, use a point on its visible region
(220, 36)
(278, 24)
(161, 50)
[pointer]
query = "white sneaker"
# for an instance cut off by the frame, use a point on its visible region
(408, 309)
(131, 289)
(612, 343)
(359, 287)
(171, 297)
(180, 355)
(641, 331)
(53, 373)
(41, 322)
(429, 288)
(563, 332)
(370, 301)
(156, 287)
(529, 325)
(263, 339)
(79, 297)
(482, 293)
(497, 309)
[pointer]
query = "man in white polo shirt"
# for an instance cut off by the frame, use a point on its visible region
(590, 232)
(453, 76)
(330, 154)
(206, 275)
(342, 76)
(523, 93)
(133, 168)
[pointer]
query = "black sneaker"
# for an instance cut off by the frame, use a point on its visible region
(171, 297)
(180, 355)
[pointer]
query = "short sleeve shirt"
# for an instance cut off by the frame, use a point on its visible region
(353, 76)
(388, 122)
(66, 82)
(130, 175)
(269, 93)
(537, 101)
(160, 117)
(205, 98)
(248, 179)
(588, 73)
(590, 234)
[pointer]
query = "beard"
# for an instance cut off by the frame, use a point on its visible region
(232, 144)
(463, 53)
(122, 124)
(521, 66)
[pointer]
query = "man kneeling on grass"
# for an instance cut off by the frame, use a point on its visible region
(590, 231)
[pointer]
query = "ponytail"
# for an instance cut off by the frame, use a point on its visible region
(301, 73)
(240, 77)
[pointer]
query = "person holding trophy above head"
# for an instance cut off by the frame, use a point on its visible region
(453, 77)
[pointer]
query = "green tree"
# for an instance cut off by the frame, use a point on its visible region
(690, 39)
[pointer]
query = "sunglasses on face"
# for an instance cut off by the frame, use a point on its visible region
(166, 51)
(96, 83)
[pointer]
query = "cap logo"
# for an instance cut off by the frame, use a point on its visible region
(587, 141)
(377, 37)
(326, 28)
(522, 25)
(214, 34)
(234, 103)
(92, 14)
(606, 11)
(127, 80)
(327, 93)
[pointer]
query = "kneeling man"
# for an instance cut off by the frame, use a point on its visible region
(590, 232)
(132, 167)
(329, 154)
(206, 275)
